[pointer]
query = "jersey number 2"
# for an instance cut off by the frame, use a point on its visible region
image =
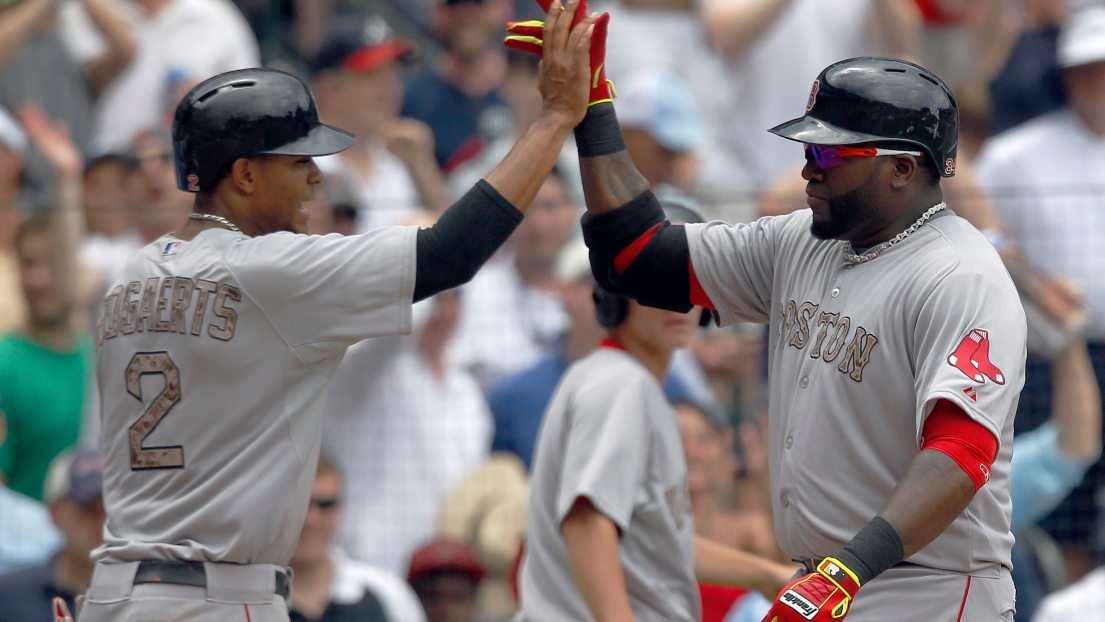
(145, 458)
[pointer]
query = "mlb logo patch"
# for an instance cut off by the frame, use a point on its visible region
(171, 248)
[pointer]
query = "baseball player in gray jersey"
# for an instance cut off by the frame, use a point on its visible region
(610, 533)
(896, 351)
(215, 345)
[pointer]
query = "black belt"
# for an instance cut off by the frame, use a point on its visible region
(191, 573)
(811, 564)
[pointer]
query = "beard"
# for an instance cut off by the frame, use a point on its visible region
(846, 212)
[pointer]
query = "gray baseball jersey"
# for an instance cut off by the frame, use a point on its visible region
(859, 354)
(610, 435)
(213, 357)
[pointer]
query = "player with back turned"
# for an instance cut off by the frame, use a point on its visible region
(215, 345)
(896, 349)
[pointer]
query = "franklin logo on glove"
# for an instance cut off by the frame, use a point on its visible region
(801, 605)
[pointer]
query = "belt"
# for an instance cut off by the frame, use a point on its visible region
(811, 564)
(191, 573)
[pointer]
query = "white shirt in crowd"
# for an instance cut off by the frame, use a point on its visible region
(189, 40)
(771, 83)
(506, 325)
(353, 578)
(402, 438)
(386, 197)
(1082, 601)
(1047, 180)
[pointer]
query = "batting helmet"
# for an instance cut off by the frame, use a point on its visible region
(864, 100)
(611, 310)
(245, 113)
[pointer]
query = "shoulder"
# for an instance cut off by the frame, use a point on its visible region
(962, 248)
(608, 373)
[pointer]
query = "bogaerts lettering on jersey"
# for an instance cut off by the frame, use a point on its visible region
(169, 305)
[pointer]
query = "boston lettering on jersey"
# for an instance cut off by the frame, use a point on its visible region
(796, 323)
(169, 305)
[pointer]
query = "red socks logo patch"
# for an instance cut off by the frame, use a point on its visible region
(972, 357)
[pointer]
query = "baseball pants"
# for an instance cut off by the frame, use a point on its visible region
(233, 593)
(909, 592)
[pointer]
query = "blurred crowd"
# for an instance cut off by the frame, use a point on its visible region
(418, 508)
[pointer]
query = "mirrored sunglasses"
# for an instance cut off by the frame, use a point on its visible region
(826, 156)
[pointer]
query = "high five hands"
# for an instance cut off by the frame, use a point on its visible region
(539, 38)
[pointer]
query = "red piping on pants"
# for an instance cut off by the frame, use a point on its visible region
(963, 605)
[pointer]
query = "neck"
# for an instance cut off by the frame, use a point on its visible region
(216, 206)
(72, 572)
(311, 573)
(902, 221)
(655, 359)
(59, 338)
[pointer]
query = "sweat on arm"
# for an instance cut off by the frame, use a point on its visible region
(450, 253)
(636, 253)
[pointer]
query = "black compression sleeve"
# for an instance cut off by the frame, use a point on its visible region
(451, 252)
(660, 274)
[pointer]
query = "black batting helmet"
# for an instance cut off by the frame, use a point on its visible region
(245, 113)
(865, 100)
(611, 310)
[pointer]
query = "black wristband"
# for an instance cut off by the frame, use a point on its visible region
(874, 549)
(599, 133)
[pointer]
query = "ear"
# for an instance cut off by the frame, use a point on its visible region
(243, 174)
(906, 169)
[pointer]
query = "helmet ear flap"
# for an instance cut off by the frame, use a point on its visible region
(611, 310)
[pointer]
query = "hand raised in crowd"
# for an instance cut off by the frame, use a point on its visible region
(410, 140)
(53, 140)
(565, 80)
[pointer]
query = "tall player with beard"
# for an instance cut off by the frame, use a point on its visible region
(897, 345)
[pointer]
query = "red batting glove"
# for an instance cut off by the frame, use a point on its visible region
(527, 37)
(821, 596)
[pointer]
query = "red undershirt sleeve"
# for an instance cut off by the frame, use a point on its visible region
(952, 432)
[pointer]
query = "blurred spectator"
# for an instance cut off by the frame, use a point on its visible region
(773, 50)
(487, 510)
(512, 314)
(26, 535)
(180, 43)
(160, 207)
(13, 144)
(38, 68)
(524, 100)
(405, 423)
(330, 587)
(460, 98)
(110, 190)
(1049, 461)
(662, 127)
(358, 86)
(45, 365)
(711, 467)
(288, 31)
(1046, 178)
(1030, 83)
(518, 401)
(74, 489)
(1081, 601)
(446, 575)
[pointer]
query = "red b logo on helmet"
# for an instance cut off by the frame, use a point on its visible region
(813, 95)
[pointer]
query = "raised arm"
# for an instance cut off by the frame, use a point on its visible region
(733, 26)
(121, 44)
(469, 232)
(19, 22)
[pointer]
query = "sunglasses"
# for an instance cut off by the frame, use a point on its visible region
(325, 504)
(831, 156)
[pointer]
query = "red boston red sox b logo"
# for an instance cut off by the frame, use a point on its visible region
(813, 95)
(972, 357)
